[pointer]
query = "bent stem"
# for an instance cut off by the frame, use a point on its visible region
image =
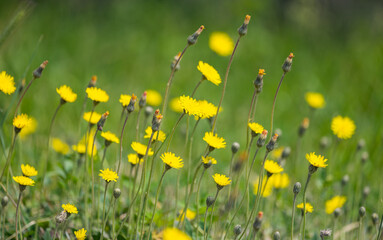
(103, 211)
(274, 101)
(211, 215)
(304, 205)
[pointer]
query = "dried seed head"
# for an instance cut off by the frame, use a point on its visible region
(4, 201)
(366, 191)
(142, 101)
(345, 180)
(303, 127)
(361, 144)
(324, 142)
(362, 211)
(235, 147)
(192, 39)
(375, 218)
(286, 67)
(209, 201)
(242, 30)
(286, 152)
(276, 236)
(297, 188)
(237, 230)
(37, 73)
(325, 233)
(262, 139)
(364, 157)
(61, 217)
(116, 193)
(148, 111)
(271, 145)
(337, 212)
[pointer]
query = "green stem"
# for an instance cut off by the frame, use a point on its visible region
(304, 205)
(52, 122)
(173, 130)
(197, 201)
(248, 117)
(92, 168)
(22, 95)
(380, 228)
(360, 232)
(113, 217)
(293, 215)
(121, 138)
(9, 157)
(211, 215)
(103, 211)
(274, 101)
(17, 216)
(196, 87)
(138, 124)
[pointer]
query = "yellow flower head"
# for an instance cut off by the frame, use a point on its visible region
(97, 94)
(80, 234)
(261, 72)
(108, 175)
(280, 180)
(214, 141)
(110, 137)
(153, 98)
(171, 160)
(80, 148)
(272, 167)
(28, 129)
(277, 153)
(221, 43)
(140, 149)
(21, 121)
(24, 181)
(209, 73)
(315, 100)
(69, 208)
(60, 146)
(175, 234)
(133, 159)
(208, 159)
(267, 187)
(175, 105)
(256, 128)
(159, 134)
(309, 207)
(66, 93)
(205, 109)
(28, 170)
(190, 215)
(95, 117)
(334, 203)
(221, 180)
(7, 83)
(188, 104)
(316, 160)
(125, 100)
(343, 127)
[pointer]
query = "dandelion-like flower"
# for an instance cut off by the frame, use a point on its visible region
(153, 98)
(110, 137)
(315, 100)
(28, 170)
(70, 208)
(280, 180)
(256, 128)
(272, 167)
(205, 109)
(79, 148)
(189, 105)
(214, 141)
(97, 94)
(140, 149)
(24, 181)
(80, 234)
(316, 160)
(21, 121)
(7, 83)
(158, 135)
(134, 159)
(60, 146)
(266, 189)
(108, 175)
(95, 117)
(209, 160)
(190, 215)
(277, 153)
(125, 100)
(174, 233)
(171, 160)
(66, 93)
(29, 128)
(309, 207)
(343, 127)
(221, 43)
(175, 105)
(221, 180)
(209, 73)
(334, 203)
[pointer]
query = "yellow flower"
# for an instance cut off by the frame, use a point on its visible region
(188, 104)
(7, 83)
(221, 180)
(205, 109)
(140, 149)
(261, 72)
(214, 141)
(208, 159)
(343, 127)
(160, 134)
(209, 73)
(309, 207)
(108, 175)
(109, 136)
(69, 208)
(28, 170)
(267, 187)
(171, 160)
(66, 93)
(80, 234)
(256, 128)
(95, 117)
(21, 121)
(175, 105)
(190, 215)
(334, 203)
(280, 180)
(277, 153)
(153, 98)
(29, 129)
(133, 159)
(272, 167)
(60, 146)
(221, 43)
(316, 160)
(24, 181)
(97, 94)
(175, 234)
(125, 100)
(80, 148)
(315, 100)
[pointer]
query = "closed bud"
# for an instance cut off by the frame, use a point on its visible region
(175, 60)
(148, 111)
(361, 144)
(271, 145)
(37, 73)
(276, 236)
(258, 82)
(362, 211)
(297, 188)
(262, 139)
(337, 212)
(101, 122)
(192, 39)
(235, 147)
(116, 193)
(258, 222)
(286, 152)
(142, 101)
(4, 201)
(237, 230)
(93, 81)
(157, 122)
(286, 67)
(375, 218)
(131, 104)
(209, 201)
(242, 30)
(303, 127)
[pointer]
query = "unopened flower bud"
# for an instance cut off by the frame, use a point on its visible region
(262, 139)
(142, 101)
(297, 188)
(209, 201)
(361, 144)
(93, 81)
(345, 180)
(375, 218)
(37, 73)
(192, 39)
(324, 142)
(337, 212)
(362, 211)
(286, 67)
(276, 236)
(101, 122)
(303, 127)
(278, 131)
(364, 157)
(258, 82)
(237, 230)
(286, 152)
(131, 104)
(175, 60)
(271, 145)
(116, 193)
(235, 147)
(258, 222)
(156, 122)
(242, 30)
(4, 201)
(148, 111)
(325, 233)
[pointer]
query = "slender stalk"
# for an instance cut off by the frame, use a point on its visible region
(103, 211)
(249, 117)
(53, 120)
(23, 94)
(155, 202)
(17, 216)
(121, 138)
(380, 228)
(205, 220)
(9, 157)
(91, 162)
(173, 130)
(293, 215)
(113, 218)
(197, 202)
(138, 124)
(224, 83)
(211, 216)
(230, 172)
(274, 101)
(196, 87)
(333, 228)
(55, 232)
(304, 205)
(360, 232)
